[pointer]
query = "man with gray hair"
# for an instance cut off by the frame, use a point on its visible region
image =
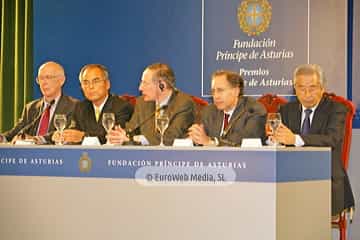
(87, 119)
(316, 120)
(158, 91)
(36, 122)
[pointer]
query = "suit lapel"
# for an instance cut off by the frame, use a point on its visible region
(219, 119)
(239, 110)
(240, 107)
(107, 108)
(318, 119)
(171, 106)
(60, 106)
(148, 127)
(89, 115)
(39, 106)
(234, 117)
(31, 117)
(295, 118)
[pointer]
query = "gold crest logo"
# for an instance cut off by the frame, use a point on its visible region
(85, 163)
(254, 16)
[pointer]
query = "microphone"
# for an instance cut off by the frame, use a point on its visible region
(130, 131)
(28, 126)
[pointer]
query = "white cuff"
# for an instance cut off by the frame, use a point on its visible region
(299, 142)
(213, 141)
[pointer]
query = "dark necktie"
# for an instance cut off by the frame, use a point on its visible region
(226, 121)
(305, 129)
(44, 121)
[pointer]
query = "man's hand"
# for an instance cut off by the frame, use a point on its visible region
(284, 135)
(198, 135)
(70, 136)
(57, 138)
(21, 137)
(117, 135)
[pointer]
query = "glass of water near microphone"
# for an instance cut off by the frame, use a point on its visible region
(273, 121)
(162, 123)
(108, 122)
(60, 124)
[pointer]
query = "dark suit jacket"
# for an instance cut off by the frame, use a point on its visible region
(327, 129)
(32, 111)
(84, 116)
(247, 121)
(181, 111)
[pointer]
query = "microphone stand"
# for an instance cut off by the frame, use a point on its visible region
(130, 132)
(28, 126)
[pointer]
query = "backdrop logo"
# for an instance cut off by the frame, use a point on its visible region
(254, 16)
(85, 163)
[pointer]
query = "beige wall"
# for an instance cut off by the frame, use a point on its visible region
(328, 41)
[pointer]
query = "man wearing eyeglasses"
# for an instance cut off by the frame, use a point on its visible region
(232, 117)
(36, 122)
(315, 120)
(87, 119)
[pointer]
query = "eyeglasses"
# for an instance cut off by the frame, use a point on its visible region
(42, 78)
(310, 89)
(94, 82)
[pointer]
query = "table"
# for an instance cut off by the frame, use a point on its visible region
(116, 192)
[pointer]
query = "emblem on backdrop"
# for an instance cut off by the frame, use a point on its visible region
(254, 16)
(85, 163)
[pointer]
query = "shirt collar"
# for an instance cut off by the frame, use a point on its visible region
(56, 100)
(101, 105)
(230, 112)
(313, 108)
(165, 101)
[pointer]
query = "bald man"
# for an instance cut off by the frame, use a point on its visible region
(36, 121)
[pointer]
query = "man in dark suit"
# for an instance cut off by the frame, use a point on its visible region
(315, 120)
(158, 92)
(36, 122)
(232, 117)
(87, 118)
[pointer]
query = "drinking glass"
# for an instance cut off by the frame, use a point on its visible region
(108, 122)
(162, 123)
(274, 120)
(60, 124)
